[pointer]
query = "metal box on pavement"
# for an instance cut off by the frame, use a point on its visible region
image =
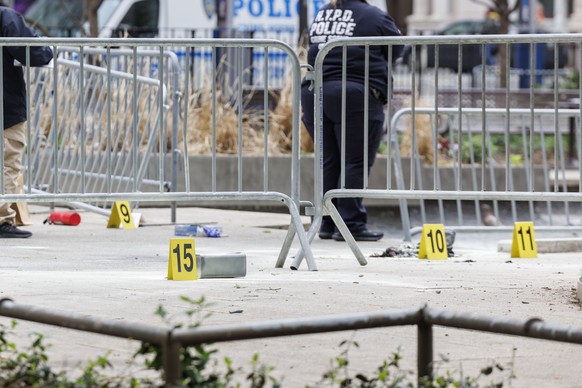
(232, 265)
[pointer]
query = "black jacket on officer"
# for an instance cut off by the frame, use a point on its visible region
(12, 25)
(346, 19)
(355, 19)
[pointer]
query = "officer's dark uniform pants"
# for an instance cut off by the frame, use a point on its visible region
(351, 210)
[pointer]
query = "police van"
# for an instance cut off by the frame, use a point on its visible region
(277, 19)
(261, 19)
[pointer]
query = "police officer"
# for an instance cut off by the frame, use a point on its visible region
(349, 18)
(12, 25)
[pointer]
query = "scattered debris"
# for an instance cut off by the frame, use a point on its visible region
(404, 250)
(197, 230)
(409, 249)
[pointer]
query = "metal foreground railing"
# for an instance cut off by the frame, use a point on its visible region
(97, 126)
(172, 340)
(432, 128)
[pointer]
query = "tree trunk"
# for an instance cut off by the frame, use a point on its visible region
(91, 7)
(503, 29)
(504, 10)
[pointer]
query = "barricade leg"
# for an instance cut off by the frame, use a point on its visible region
(310, 236)
(345, 232)
(331, 210)
(404, 216)
(303, 239)
(286, 246)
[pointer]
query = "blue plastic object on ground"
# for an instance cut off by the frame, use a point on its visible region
(197, 231)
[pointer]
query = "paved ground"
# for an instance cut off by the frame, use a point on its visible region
(121, 275)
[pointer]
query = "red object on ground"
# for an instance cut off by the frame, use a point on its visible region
(65, 218)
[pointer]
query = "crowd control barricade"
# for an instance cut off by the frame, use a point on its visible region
(102, 127)
(522, 156)
(124, 63)
(509, 150)
(57, 161)
(172, 340)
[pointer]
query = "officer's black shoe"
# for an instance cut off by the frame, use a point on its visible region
(325, 235)
(10, 231)
(364, 235)
(326, 231)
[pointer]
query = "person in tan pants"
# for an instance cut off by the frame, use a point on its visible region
(14, 140)
(14, 119)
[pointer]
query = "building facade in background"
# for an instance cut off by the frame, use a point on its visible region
(428, 16)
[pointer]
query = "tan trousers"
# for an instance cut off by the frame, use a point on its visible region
(14, 141)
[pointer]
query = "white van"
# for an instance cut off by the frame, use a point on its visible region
(274, 19)
(278, 19)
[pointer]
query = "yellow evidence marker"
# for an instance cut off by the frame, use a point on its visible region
(182, 259)
(524, 242)
(433, 243)
(120, 216)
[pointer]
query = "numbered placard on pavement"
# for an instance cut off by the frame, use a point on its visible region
(120, 216)
(433, 243)
(524, 241)
(182, 259)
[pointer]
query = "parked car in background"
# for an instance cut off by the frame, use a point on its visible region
(472, 53)
(449, 54)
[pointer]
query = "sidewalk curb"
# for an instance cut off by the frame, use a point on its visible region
(548, 245)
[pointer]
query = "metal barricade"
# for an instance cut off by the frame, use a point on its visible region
(144, 63)
(565, 185)
(90, 147)
(523, 155)
(174, 339)
(122, 128)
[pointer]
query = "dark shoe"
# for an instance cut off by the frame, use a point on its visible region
(325, 235)
(327, 228)
(364, 235)
(11, 231)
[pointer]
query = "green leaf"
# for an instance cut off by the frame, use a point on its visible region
(161, 311)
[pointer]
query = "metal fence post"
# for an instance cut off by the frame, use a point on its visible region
(425, 348)
(172, 366)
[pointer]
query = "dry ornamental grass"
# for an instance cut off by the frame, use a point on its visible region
(198, 114)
